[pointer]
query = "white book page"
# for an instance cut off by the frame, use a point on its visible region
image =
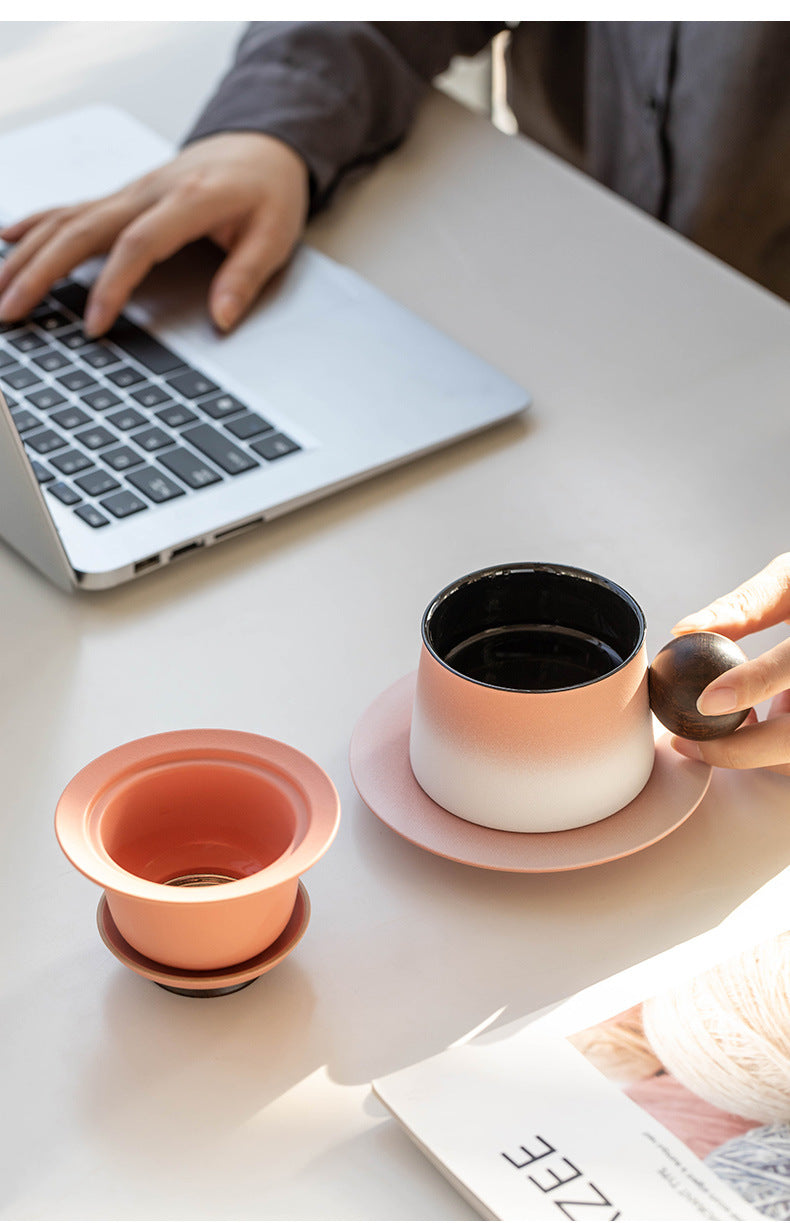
(526, 1127)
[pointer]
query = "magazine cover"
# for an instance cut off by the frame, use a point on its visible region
(662, 1093)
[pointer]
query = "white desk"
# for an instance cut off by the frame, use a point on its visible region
(656, 453)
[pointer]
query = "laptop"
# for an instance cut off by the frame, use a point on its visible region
(121, 455)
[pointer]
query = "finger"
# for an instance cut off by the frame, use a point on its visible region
(18, 229)
(154, 235)
(760, 602)
(27, 247)
(87, 233)
(754, 745)
(748, 683)
(780, 704)
(256, 256)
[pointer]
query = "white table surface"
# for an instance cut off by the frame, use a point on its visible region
(656, 453)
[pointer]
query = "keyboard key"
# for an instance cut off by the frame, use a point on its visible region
(150, 396)
(122, 458)
(19, 378)
(75, 338)
(192, 385)
(143, 347)
(89, 514)
(25, 420)
(6, 358)
(70, 418)
(45, 398)
(42, 473)
(217, 448)
(189, 468)
(27, 341)
(71, 295)
(274, 446)
(77, 380)
(126, 419)
(152, 439)
(94, 483)
(249, 425)
(123, 504)
(155, 484)
(10, 403)
(48, 319)
(45, 441)
(70, 461)
(125, 376)
(64, 493)
(99, 356)
(51, 360)
(176, 415)
(222, 405)
(101, 400)
(96, 437)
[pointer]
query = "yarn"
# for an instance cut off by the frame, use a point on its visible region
(619, 1048)
(757, 1166)
(725, 1034)
(699, 1125)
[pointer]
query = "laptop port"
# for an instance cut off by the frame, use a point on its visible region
(238, 529)
(150, 562)
(182, 551)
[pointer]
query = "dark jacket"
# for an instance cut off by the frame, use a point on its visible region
(688, 120)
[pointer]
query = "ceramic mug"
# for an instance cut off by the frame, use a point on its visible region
(531, 711)
(198, 838)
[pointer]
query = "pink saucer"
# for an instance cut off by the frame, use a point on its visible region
(379, 758)
(209, 983)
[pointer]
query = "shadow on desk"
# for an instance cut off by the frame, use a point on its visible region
(531, 940)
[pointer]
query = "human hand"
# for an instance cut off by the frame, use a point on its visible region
(761, 602)
(245, 190)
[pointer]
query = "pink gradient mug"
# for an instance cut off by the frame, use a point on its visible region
(531, 711)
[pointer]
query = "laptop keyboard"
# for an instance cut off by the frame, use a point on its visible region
(116, 426)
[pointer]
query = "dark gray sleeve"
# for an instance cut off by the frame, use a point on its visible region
(341, 93)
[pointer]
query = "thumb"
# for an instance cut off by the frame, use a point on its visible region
(256, 255)
(759, 603)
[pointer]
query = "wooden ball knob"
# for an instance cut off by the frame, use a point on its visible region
(680, 672)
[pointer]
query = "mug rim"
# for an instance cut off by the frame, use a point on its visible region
(532, 567)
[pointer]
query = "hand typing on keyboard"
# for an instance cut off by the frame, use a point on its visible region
(245, 190)
(118, 426)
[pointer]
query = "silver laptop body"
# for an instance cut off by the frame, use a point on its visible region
(346, 382)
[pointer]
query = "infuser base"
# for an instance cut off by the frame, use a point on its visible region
(207, 983)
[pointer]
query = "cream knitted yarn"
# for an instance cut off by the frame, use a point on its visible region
(726, 1033)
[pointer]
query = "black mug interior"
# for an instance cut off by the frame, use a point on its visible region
(533, 627)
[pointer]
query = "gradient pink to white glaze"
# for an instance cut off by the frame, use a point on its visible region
(531, 761)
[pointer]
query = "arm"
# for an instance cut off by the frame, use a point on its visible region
(340, 93)
(303, 103)
(761, 602)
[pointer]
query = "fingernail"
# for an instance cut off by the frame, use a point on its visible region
(227, 309)
(9, 306)
(720, 700)
(686, 747)
(93, 322)
(694, 624)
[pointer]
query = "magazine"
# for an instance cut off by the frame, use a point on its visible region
(660, 1093)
